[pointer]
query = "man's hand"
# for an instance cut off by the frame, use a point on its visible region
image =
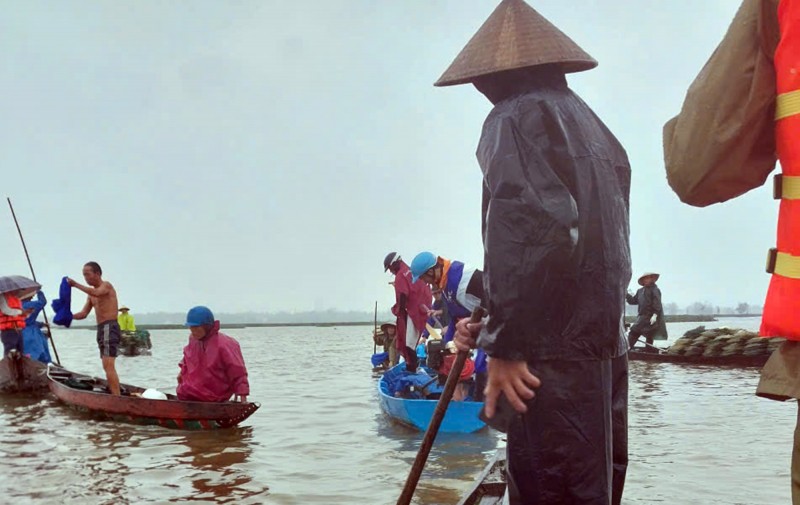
(512, 379)
(654, 319)
(71, 282)
(466, 334)
(179, 378)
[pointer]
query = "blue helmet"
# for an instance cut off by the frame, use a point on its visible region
(421, 263)
(198, 316)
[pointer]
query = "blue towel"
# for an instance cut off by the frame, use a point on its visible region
(379, 358)
(480, 362)
(61, 305)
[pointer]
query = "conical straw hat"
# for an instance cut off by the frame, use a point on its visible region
(649, 274)
(515, 36)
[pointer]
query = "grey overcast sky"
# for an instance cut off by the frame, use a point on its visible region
(266, 155)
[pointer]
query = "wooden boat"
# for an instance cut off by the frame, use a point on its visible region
(736, 360)
(461, 417)
(490, 486)
(90, 394)
(22, 376)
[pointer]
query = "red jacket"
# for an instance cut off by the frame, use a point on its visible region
(418, 294)
(447, 364)
(212, 369)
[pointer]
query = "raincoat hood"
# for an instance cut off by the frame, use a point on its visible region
(212, 369)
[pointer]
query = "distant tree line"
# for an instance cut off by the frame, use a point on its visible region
(309, 316)
(351, 316)
(705, 309)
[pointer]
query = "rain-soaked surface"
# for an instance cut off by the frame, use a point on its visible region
(698, 435)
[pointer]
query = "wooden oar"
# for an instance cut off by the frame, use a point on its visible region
(650, 345)
(33, 274)
(436, 420)
(375, 333)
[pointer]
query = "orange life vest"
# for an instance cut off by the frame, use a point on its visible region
(12, 322)
(782, 306)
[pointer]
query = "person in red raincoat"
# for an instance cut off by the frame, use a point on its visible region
(412, 301)
(212, 368)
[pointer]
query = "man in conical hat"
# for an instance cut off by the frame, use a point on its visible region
(557, 262)
(650, 318)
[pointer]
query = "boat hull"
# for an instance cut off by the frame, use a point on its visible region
(33, 379)
(490, 485)
(732, 361)
(170, 413)
(461, 417)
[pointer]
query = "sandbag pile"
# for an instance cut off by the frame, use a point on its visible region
(723, 342)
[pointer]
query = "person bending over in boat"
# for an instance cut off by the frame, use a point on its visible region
(103, 298)
(461, 290)
(650, 321)
(411, 296)
(212, 368)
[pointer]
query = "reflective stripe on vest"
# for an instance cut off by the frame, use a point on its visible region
(783, 297)
(787, 104)
(450, 291)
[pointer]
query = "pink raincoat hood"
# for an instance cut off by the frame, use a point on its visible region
(212, 369)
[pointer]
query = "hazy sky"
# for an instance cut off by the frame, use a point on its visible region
(266, 155)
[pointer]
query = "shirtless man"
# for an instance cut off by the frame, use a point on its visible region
(103, 298)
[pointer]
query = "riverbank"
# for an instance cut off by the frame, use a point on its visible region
(236, 325)
(671, 318)
(680, 318)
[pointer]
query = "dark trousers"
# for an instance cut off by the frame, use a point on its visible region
(633, 337)
(571, 447)
(12, 340)
(412, 362)
(480, 384)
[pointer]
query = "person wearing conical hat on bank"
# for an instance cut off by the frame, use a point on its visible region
(650, 319)
(740, 115)
(125, 319)
(557, 263)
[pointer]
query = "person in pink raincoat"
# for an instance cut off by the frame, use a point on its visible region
(412, 300)
(212, 368)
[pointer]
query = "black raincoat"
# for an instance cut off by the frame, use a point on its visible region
(557, 266)
(555, 229)
(648, 299)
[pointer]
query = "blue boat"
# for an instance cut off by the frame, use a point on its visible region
(461, 417)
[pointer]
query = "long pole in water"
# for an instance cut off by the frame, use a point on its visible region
(33, 274)
(436, 419)
(374, 343)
